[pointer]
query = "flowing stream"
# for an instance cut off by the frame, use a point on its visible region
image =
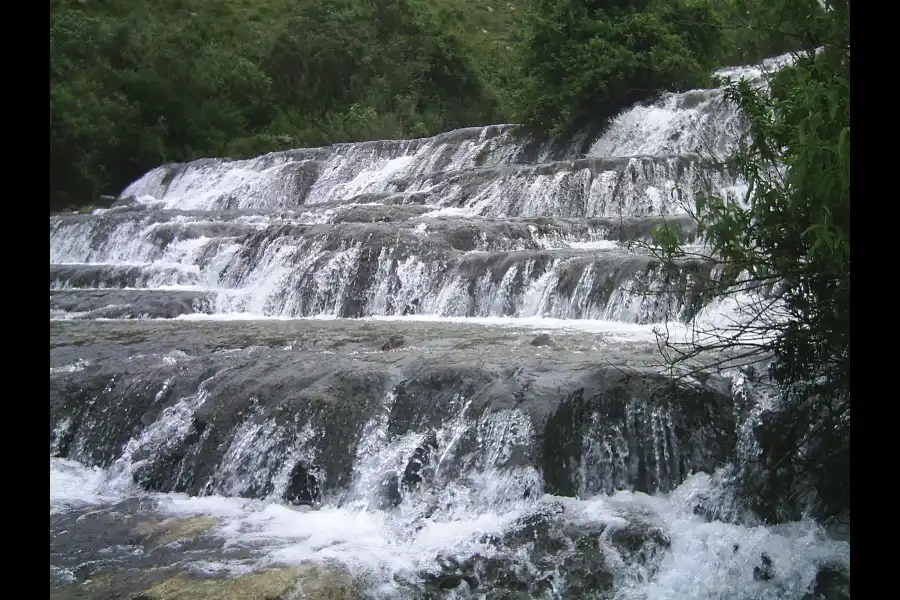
(408, 369)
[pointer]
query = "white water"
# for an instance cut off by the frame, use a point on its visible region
(378, 546)
(474, 176)
(470, 177)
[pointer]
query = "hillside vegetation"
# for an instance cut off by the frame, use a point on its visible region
(139, 83)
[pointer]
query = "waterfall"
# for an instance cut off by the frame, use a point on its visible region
(408, 369)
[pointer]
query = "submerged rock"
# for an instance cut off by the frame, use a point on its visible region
(543, 339)
(306, 582)
(303, 488)
(172, 530)
(560, 555)
(319, 582)
(417, 469)
(832, 583)
(124, 201)
(763, 572)
(241, 383)
(394, 342)
(656, 441)
(274, 584)
(112, 585)
(413, 475)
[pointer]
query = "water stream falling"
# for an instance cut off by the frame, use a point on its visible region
(406, 369)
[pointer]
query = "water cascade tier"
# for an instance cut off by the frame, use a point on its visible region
(420, 369)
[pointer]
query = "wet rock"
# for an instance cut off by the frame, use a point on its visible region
(279, 397)
(394, 342)
(390, 494)
(421, 458)
(554, 544)
(542, 340)
(319, 582)
(274, 584)
(307, 582)
(452, 581)
(435, 392)
(111, 584)
(173, 530)
(199, 425)
(838, 527)
(411, 308)
(698, 433)
(832, 583)
(393, 486)
(253, 384)
(454, 575)
(121, 303)
(764, 571)
(640, 542)
(99, 587)
(124, 201)
(303, 488)
(783, 483)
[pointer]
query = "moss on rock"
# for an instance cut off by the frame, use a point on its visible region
(273, 584)
(156, 534)
(306, 582)
(317, 582)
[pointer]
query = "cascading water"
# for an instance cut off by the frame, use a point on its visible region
(406, 369)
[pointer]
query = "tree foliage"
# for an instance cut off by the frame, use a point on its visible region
(758, 29)
(785, 248)
(137, 84)
(586, 60)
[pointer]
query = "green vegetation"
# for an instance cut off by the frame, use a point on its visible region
(789, 246)
(140, 83)
(586, 60)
